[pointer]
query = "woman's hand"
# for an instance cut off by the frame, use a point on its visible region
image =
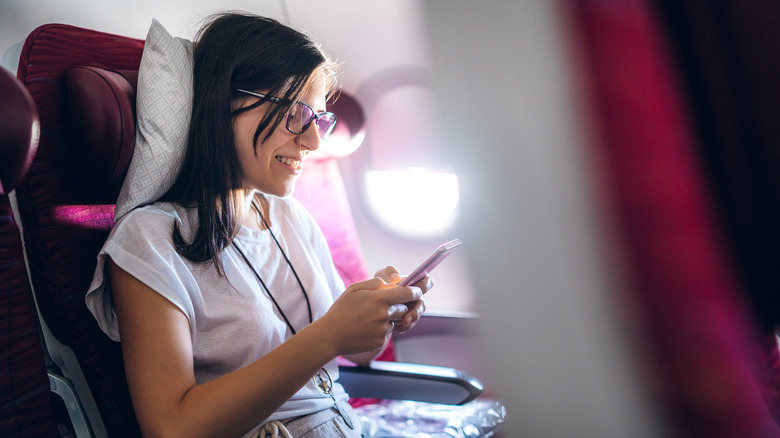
(363, 316)
(415, 309)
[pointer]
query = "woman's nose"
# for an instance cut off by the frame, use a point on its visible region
(310, 138)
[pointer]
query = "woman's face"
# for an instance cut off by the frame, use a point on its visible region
(280, 158)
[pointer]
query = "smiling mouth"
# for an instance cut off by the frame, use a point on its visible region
(295, 164)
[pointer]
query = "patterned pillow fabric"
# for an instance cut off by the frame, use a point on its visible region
(163, 108)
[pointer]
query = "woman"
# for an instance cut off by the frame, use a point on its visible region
(229, 308)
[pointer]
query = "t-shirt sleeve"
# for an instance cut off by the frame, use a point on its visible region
(141, 244)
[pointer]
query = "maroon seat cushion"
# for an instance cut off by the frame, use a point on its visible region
(102, 115)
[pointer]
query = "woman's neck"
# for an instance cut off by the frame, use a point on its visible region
(255, 211)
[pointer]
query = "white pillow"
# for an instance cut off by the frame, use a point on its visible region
(163, 109)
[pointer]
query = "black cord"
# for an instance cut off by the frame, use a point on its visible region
(262, 283)
(305, 295)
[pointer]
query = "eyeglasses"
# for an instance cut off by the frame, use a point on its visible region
(300, 116)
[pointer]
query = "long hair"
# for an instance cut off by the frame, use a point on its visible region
(234, 50)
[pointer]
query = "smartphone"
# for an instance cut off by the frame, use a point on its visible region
(431, 262)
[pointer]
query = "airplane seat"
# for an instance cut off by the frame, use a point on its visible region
(26, 404)
(711, 367)
(83, 83)
(64, 229)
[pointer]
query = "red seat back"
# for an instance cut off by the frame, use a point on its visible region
(702, 345)
(63, 230)
(26, 407)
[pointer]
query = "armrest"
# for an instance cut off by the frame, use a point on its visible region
(404, 381)
(443, 339)
(438, 322)
(67, 393)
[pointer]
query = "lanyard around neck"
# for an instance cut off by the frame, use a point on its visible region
(262, 283)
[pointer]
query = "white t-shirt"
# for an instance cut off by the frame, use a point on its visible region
(232, 320)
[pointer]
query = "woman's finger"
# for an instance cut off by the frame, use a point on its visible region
(389, 274)
(425, 284)
(412, 317)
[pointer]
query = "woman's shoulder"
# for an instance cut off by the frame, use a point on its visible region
(291, 209)
(157, 218)
(159, 212)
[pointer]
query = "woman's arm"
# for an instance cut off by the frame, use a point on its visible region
(158, 356)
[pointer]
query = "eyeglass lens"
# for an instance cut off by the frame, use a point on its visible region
(300, 116)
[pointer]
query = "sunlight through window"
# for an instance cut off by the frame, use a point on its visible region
(415, 202)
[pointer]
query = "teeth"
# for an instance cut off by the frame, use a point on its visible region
(290, 162)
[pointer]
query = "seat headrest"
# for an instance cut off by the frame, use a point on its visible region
(102, 114)
(19, 131)
(349, 132)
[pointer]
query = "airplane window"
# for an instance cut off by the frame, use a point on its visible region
(408, 163)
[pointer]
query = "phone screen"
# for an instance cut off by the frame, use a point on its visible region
(431, 262)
